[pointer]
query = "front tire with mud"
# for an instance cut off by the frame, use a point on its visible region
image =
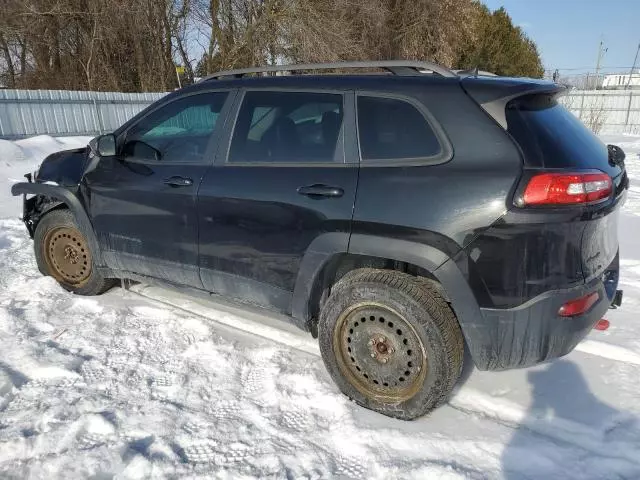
(390, 342)
(63, 252)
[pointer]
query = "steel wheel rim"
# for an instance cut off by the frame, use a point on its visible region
(379, 352)
(67, 255)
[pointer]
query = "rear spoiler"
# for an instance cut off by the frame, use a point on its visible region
(493, 94)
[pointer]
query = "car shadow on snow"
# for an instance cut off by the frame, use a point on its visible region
(589, 438)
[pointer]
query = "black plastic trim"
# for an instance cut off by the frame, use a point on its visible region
(431, 259)
(317, 255)
(533, 332)
(75, 206)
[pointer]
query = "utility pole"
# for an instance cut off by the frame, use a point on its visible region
(601, 52)
(635, 60)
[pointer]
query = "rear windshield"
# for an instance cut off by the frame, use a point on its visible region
(552, 137)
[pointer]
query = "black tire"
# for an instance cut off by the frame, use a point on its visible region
(46, 240)
(431, 324)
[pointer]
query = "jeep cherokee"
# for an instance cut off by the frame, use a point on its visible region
(400, 217)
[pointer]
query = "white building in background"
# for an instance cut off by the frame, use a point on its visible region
(620, 81)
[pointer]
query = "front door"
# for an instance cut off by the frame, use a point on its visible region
(143, 200)
(283, 182)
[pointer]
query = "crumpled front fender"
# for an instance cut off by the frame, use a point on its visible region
(64, 168)
(63, 195)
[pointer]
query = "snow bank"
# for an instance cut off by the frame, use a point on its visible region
(37, 148)
(24, 156)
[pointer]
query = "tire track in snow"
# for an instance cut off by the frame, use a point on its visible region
(466, 400)
(609, 351)
(236, 318)
(280, 331)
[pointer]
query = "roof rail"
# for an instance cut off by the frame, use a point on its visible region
(474, 72)
(397, 67)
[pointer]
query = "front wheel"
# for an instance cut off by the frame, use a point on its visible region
(63, 252)
(390, 342)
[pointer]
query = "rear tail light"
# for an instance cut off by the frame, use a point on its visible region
(579, 305)
(566, 189)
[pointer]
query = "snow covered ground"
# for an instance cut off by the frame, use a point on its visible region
(151, 383)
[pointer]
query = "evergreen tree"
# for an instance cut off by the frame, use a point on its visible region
(500, 47)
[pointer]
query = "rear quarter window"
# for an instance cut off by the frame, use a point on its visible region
(394, 129)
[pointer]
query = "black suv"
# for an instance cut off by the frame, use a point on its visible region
(401, 217)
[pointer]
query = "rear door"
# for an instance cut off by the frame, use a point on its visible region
(143, 200)
(285, 177)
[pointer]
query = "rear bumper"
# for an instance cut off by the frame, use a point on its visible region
(534, 332)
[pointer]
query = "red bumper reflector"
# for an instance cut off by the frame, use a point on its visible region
(579, 305)
(602, 325)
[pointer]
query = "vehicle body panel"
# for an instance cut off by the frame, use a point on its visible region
(449, 202)
(142, 224)
(64, 168)
(255, 227)
(258, 227)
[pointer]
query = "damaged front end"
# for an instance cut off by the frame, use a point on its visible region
(63, 170)
(34, 208)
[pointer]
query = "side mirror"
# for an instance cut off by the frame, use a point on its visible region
(104, 145)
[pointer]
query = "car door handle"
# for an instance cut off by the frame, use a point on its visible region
(318, 190)
(177, 181)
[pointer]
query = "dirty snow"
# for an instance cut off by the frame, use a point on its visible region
(151, 383)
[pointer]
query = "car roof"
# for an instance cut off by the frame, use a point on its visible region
(321, 81)
(484, 89)
(493, 86)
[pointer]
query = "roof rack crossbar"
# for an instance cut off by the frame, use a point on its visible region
(396, 67)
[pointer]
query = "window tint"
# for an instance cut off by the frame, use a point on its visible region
(287, 127)
(393, 129)
(177, 132)
(552, 137)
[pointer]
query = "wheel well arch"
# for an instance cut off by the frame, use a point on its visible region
(54, 197)
(332, 255)
(342, 263)
(37, 207)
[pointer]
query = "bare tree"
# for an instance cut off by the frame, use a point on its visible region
(134, 45)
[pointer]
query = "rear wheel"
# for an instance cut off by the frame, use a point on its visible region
(63, 252)
(390, 342)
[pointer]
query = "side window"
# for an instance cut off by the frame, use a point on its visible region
(287, 127)
(393, 129)
(176, 132)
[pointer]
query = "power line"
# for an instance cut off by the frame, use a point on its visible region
(589, 68)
